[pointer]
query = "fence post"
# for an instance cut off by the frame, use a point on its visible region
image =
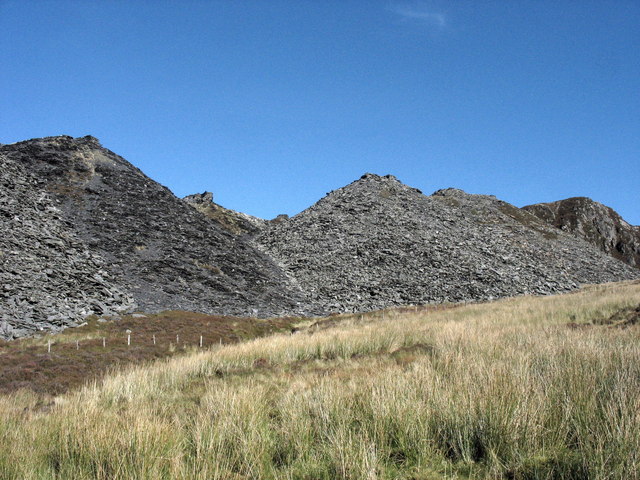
(77, 344)
(128, 339)
(200, 341)
(48, 346)
(104, 342)
(177, 339)
(154, 339)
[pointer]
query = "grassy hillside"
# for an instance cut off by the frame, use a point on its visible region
(522, 388)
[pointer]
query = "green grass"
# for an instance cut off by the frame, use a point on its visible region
(500, 390)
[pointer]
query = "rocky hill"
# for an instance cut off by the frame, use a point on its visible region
(84, 231)
(49, 279)
(377, 242)
(161, 251)
(594, 222)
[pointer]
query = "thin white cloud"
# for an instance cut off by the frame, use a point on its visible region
(419, 13)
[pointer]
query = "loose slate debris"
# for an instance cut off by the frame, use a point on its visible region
(49, 279)
(87, 232)
(164, 254)
(378, 242)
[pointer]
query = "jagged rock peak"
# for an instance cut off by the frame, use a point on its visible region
(64, 141)
(204, 198)
(449, 192)
(374, 176)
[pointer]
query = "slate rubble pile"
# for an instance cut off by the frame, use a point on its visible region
(84, 232)
(49, 279)
(377, 242)
(234, 222)
(168, 255)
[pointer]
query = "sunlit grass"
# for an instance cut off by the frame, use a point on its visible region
(500, 390)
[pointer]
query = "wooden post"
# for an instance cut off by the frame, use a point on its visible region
(104, 342)
(200, 341)
(49, 346)
(154, 339)
(128, 339)
(177, 339)
(77, 345)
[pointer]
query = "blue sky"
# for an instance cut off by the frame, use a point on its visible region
(271, 104)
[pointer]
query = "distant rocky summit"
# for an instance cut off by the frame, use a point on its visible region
(594, 222)
(378, 242)
(85, 232)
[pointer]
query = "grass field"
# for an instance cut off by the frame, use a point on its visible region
(523, 388)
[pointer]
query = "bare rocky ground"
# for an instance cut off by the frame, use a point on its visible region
(85, 232)
(378, 242)
(49, 279)
(156, 248)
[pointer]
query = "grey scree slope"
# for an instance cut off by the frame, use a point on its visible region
(377, 242)
(84, 231)
(158, 248)
(48, 278)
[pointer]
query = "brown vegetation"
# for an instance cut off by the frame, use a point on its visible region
(77, 355)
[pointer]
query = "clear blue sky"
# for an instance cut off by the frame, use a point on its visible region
(270, 104)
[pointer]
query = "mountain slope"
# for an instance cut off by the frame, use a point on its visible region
(594, 222)
(377, 242)
(166, 254)
(48, 277)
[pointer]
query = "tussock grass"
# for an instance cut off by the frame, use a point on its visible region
(500, 390)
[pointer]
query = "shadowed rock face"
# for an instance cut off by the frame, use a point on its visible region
(377, 242)
(596, 223)
(158, 248)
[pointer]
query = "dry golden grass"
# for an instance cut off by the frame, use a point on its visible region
(500, 390)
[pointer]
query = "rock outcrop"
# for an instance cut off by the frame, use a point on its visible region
(377, 242)
(234, 222)
(162, 251)
(594, 222)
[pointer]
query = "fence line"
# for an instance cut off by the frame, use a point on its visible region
(199, 342)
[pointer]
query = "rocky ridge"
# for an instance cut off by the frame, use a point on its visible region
(87, 232)
(159, 249)
(594, 222)
(378, 242)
